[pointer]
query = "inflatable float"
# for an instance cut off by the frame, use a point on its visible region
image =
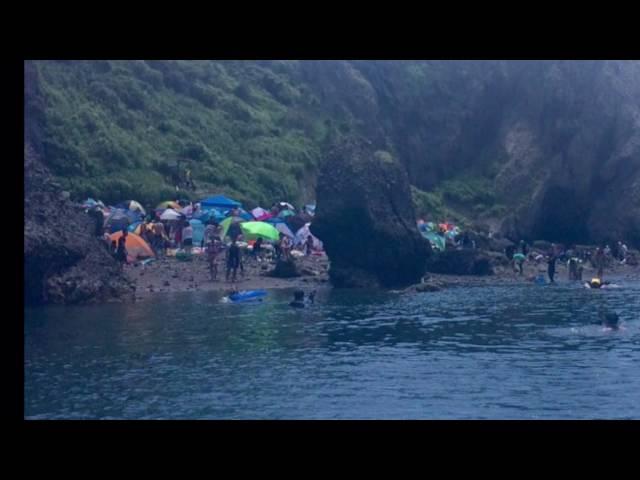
(247, 295)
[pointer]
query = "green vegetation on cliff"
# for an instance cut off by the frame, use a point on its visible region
(119, 129)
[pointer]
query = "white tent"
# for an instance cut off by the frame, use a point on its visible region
(303, 233)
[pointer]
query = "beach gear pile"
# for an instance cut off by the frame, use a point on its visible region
(439, 234)
(282, 219)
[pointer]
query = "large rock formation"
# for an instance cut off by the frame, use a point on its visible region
(63, 261)
(365, 218)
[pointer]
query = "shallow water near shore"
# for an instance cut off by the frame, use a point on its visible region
(492, 352)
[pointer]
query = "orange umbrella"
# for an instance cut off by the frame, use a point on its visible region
(135, 244)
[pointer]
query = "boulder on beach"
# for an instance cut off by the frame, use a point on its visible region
(366, 220)
(285, 269)
(460, 262)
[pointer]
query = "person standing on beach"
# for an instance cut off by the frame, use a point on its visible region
(213, 249)
(551, 265)
(309, 245)
(599, 261)
(121, 251)
(233, 261)
(187, 237)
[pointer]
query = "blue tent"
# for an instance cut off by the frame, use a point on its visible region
(220, 201)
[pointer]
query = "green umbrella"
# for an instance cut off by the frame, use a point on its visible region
(285, 213)
(253, 230)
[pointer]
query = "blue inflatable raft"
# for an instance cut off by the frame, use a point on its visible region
(247, 295)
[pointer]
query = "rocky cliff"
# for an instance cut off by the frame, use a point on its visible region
(365, 216)
(63, 261)
(548, 149)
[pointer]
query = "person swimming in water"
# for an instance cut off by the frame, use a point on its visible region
(299, 301)
(597, 283)
(610, 321)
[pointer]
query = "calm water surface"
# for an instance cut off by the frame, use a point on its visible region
(522, 352)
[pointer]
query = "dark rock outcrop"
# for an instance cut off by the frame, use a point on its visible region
(461, 262)
(285, 269)
(366, 220)
(63, 261)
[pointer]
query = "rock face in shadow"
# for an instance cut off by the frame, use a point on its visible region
(460, 262)
(365, 218)
(63, 261)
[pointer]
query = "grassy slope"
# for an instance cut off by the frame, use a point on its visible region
(253, 130)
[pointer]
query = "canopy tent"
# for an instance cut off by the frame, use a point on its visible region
(282, 228)
(198, 231)
(254, 230)
(437, 241)
(131, 205)
(168, 204)
(170, 214)
(220, 201)
(135, 245)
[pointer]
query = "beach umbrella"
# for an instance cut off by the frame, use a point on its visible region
(296, 222)
(275, 220)
(286, 205)
(226, 223)
(286, 213)
(282, 228)
(258, 212)
(117, 220)
(254, 230)
(132, 205)
(170, 214)
(168, 204)
(264, 217)
(135, 245)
